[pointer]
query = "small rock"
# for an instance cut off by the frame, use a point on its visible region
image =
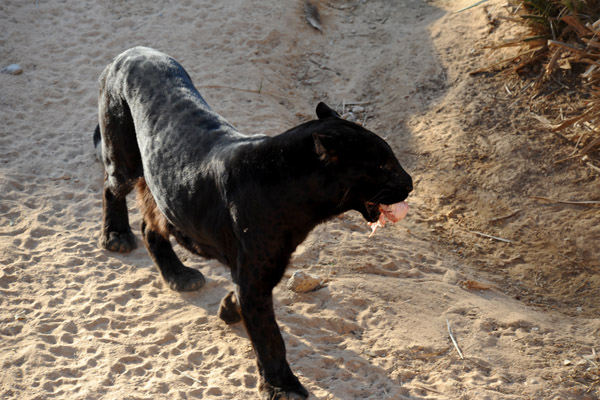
(581, 363)
(453, 277)
(301, 282)
(349, 116)
(358, 109)
(63, 177)
(13, 69)
(452, 213)
(567, 362)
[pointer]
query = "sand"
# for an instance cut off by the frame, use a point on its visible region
(78, 322)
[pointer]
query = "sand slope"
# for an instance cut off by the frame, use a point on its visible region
(78, 322)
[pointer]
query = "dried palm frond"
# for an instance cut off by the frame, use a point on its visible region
(562, 34)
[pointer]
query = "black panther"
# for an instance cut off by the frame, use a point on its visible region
(246, 201)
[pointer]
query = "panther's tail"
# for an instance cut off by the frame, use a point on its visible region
(97, 143)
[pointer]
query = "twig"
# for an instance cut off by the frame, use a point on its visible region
(358, 103)
(505, 217)
(323, 66)
(189, 377)
(542, 119)
(241, 90)
(428, 389)
(588, 359)
(594, 143)
(583, 202)
(586, 116)
(491, 237)
(577, 144)
(592, 166)
(573, 261)
(350, 7)
(454, 340)
(554, 43)
(471, 6)
(507, 61)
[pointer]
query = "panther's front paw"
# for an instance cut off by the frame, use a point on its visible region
(268, 392)
(121, 242)
(185, 280)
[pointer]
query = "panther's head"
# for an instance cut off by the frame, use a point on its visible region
(364, 163)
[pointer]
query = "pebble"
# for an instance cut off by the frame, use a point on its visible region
(13, 69)
(63, 177)
(301, 282)
(349, 116)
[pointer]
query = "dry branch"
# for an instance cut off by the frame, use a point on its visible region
(572, 202)
(506, 216)
(454, 340)
(241, 90)
(189, 376)
(492, 237)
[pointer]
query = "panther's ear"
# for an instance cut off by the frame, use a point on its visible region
(324, 147)
(323, 111)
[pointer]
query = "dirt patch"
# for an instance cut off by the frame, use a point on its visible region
(515, 276)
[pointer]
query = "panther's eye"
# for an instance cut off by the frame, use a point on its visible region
(388, 166)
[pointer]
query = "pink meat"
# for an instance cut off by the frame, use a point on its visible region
(394, 213)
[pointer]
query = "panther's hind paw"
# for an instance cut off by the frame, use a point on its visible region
(229, 310)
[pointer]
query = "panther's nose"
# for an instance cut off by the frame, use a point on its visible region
(408, 183)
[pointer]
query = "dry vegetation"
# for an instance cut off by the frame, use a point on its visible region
(560, 52)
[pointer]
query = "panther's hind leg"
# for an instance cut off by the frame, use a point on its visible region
(155, 230)
(122, 167)
(229, 309)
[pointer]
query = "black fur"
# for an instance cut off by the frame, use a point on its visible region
(247, 201)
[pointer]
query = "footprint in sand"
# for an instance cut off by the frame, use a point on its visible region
(98, 323)
(63, 351)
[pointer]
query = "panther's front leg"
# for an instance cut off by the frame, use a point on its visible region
(276, 379)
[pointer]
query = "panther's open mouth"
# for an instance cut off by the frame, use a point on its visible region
(372, 211)
(393, 213)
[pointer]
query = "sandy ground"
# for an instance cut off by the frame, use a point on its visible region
(77, 322)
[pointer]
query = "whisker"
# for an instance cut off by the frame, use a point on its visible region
(344, 198)
(382, 191)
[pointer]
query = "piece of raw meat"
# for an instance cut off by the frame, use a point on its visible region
(393, 212)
